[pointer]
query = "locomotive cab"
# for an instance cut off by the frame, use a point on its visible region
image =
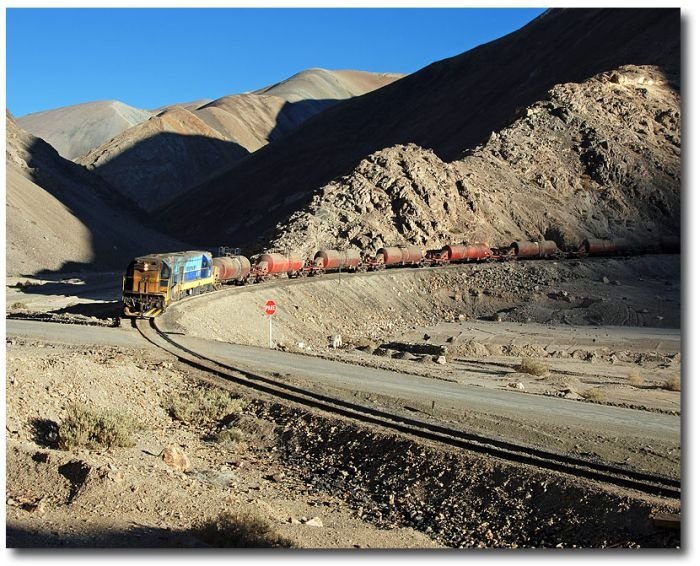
(145, 286)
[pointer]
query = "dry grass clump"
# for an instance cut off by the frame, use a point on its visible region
(239, 529)
(594, 394)
(532, 366)
(634, 378)
(18, 306)
(231, 434)
(95, 429)
(673, 383)
(201, 406)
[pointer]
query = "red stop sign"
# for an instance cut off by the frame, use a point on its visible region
(270, 307)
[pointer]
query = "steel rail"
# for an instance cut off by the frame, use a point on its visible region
(641, 481)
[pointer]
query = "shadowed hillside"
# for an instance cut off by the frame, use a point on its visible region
(185, 144)
(596, 159)
(152, 163)
(61, 217)
(448, 107)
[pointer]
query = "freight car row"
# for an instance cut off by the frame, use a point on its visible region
(155, 281)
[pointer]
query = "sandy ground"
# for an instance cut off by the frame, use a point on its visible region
(129, 496)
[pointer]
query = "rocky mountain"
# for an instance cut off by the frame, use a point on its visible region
(61, 217)
(595, 159)
(254, 119)
(76, 130)
(450, 107)
(155, 161)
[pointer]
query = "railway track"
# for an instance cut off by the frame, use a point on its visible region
(504, 450)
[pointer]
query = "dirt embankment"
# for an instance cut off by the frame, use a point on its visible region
(376, 307)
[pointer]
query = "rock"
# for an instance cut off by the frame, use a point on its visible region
(176, 458)
(426, 336)
(517, 385)
(440, 360)
(569, 394)
(606, 280)
(497, 317)
(336, 341)
(314, 522)
(115, 476)
(293, 521)
(461, 317)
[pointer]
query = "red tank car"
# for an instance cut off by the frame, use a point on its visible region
(466, 253)
(334, 259)
(395, 255)
(274, 263)
(389, 256)
(231, 269)
(546, 248)
(605, 247)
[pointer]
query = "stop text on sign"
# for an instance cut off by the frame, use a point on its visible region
(270, 307)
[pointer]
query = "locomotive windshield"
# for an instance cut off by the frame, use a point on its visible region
(165, 273)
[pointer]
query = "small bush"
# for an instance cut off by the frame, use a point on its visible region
(673, 383)
(202, 406)
(231, 434)
(18, 306)
(634, 377)
(241, 530)
(532, 366)
(95, 429)
(593, 394)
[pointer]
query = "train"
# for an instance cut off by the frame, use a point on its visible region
(155, 281)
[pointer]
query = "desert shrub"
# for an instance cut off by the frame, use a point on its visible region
(95, 429)
(532, 366)
(593, 394)
(634, 378)
(201, 406)
(230, 434)
(240, 529)
(18, 306)
(673, 383)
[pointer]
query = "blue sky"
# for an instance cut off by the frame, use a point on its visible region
(151, 57)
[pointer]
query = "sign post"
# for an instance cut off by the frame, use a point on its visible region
(270, 309)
